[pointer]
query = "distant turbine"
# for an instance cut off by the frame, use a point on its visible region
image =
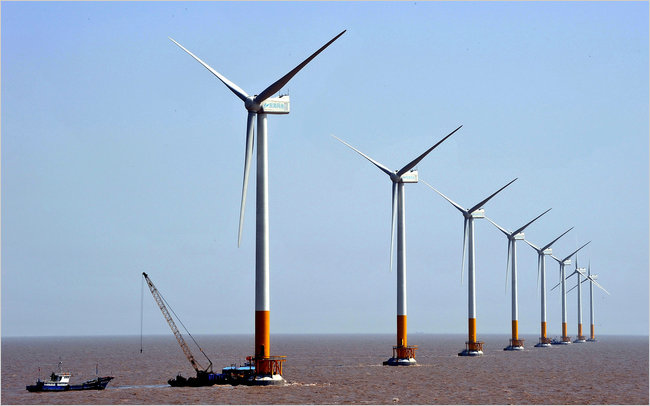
(544, 341)
(268, 369)
(579, 272)
(472, 347)
(515, 342)
(403, 354)
(566, 261)
(592, 280)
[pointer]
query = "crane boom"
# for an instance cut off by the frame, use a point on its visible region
(186, 350)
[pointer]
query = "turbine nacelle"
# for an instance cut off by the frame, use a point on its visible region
(272, 105)
(276, 105)
(567, 262)
(409, 177)
(477, 214)
(547, 251)
(519, 236)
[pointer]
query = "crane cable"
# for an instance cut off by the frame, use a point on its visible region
(175, 315)
(186, 330)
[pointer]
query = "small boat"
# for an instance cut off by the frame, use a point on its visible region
(60, 381)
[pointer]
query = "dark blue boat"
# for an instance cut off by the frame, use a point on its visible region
(60, 381)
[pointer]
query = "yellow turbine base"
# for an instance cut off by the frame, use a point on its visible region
(401, 331)
(515, 330)
(262, 333)
(472, 330)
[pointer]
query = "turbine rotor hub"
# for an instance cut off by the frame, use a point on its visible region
(251, 105)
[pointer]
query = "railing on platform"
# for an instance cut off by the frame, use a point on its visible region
(404, 352)
(516, 343)
(566, 339)
(545, 340)
(271, 365)
(474, 345)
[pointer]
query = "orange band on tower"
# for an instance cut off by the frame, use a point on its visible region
(262, 333)
(515, 330)
(580, 330)
(564, 330)
(472, 330)
(543, 329)
(592, 332)
(401, 331)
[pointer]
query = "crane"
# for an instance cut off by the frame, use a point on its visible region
(186, 350)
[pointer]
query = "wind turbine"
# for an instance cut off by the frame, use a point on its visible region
(592, 281)
(513, 237)
(268, 368)
(544, 341)
(579, 272)
(563, 262)
(403, 354)
(472, 346)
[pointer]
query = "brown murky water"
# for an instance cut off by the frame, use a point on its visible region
(335, 369)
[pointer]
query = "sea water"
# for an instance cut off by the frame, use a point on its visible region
(335, 369)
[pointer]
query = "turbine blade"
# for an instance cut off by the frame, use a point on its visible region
(557, 259)
(553, 242)
(478, 206)
(414, 162)
(597, 284)
(520, 229)
(377, 164)
(233, 87)
(456, 205)
(553, 288)
(574, 252)
(248, 155)
(462, 262)
(392, 224)
(571, 289)
(572, 273)
(503, 230)
(275, 87)
(533, 246)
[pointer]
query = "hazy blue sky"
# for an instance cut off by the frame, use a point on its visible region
(121, 154)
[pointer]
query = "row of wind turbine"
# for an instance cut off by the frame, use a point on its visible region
(587, 277)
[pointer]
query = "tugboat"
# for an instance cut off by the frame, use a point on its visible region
(60, 381)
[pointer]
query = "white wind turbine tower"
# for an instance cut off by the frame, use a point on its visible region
(579, 272)
(403, 354)
(472, 346)
(544, 341)
(268, 368)
(563, 262)
(515, 343)
(592, 281)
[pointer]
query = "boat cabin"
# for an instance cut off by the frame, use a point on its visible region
(61, 378)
